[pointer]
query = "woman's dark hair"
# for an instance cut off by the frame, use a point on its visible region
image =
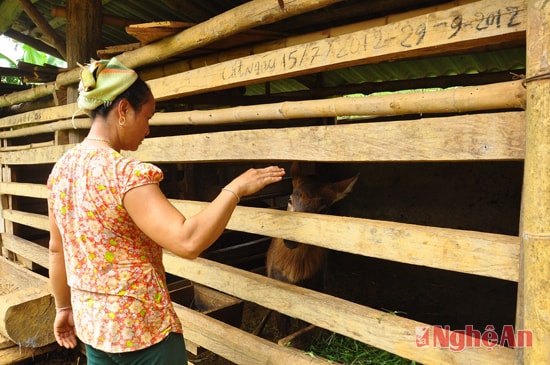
(137, 95)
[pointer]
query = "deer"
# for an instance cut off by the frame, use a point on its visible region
(298, 263)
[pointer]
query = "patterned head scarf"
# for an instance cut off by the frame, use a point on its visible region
(102, 81)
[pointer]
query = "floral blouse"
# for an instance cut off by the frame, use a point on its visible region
(118, 284)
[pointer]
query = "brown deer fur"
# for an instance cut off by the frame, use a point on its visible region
(298, 263)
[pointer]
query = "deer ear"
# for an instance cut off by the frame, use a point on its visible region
(344, 187)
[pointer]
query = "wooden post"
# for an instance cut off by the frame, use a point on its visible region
(83, 39)
(83, 32)
(534, 279)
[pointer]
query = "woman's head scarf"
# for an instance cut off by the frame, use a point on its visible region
(102, 81)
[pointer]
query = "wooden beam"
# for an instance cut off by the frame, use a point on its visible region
(10, 10)
(201, 61)
(33, 42)
(42, 24)
(27, 309)
(470, 252)
(40, 116)
(236, 345)
(236, 20)
(17, 354)
(442, 32)
(34, 220)
(380, 329)
(533, 293)
(476, 137)
(25, 248)
(24, 189)
(500, 96)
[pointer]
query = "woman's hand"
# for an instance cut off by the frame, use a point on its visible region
(63, 329)
(253, 180)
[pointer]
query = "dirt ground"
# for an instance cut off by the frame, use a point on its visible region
(423, 294)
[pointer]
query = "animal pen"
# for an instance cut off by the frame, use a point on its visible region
(487, 119)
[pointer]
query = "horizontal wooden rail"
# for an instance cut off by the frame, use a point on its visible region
(478, 253)
(499, 96)
(237, 345)
(24, 189)
(476, 137)
(34, 220)
(383, 330)
(25, 248)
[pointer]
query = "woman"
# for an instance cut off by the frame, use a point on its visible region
(109, 222)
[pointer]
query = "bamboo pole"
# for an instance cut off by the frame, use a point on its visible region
(244, 17)
(533, 293)
(505, 95)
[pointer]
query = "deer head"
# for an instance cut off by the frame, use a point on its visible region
(310, 194)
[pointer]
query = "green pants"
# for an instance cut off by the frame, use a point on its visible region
(170, 351)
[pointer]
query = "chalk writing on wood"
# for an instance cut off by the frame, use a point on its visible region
(455, 25)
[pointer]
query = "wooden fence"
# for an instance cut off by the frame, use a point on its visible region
(498, 122)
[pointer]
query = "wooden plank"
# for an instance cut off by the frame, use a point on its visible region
(17, 354)
(486, 254)
(38, 221)
(460, 138)
(383, 330)
(40, 116)
(35, 155)
(27, 309)
(533, 294)
(24, 189)
(6, 203)
(27, 249)
(150, 32)
(481, 137)
(236, 345)
(458, 29)
(181, 66)
(478, 253)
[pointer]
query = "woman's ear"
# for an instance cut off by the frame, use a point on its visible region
(122, 108)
